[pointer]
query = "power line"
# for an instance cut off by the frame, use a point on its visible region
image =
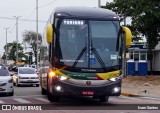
(29, 15)
(29, 20)
(47, 4)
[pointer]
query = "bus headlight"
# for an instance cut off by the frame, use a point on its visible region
(61, 77)
(112, 79)
(115, 79)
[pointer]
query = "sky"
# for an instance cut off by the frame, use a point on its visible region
(26, 9)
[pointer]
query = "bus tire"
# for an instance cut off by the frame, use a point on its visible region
(52, 98)
(103, 98)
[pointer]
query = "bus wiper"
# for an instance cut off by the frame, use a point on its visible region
(79, 56)
(99, 58)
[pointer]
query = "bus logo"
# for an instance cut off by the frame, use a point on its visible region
(88, 83)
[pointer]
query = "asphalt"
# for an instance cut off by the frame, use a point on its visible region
(140, 95)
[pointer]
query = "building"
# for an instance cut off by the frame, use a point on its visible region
(139, 52)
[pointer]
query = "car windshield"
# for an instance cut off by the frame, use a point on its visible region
(27, 71)
(4, 72)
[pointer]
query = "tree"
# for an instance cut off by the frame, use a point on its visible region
(30, 37)
(11, 51)
(145, 15)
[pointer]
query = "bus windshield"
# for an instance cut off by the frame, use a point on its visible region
(87, 43)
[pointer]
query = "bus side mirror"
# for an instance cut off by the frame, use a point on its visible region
(49, 33)
(128, 36)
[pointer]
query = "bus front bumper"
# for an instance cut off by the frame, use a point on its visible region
(64, 88)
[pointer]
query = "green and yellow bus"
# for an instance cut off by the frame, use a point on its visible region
(83, 47)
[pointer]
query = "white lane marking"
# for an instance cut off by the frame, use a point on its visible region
(132, 98)
(153, 98)
(21, 100)
(141, 98)
(29, 96)
(43, 99)
(1, 102)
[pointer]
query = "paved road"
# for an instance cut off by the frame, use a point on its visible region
(26, 96)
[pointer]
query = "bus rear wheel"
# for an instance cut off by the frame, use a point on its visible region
(103, 98)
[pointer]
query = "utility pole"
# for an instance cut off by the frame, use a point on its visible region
(124, 51)
(37, 32)
(17, 17)
(99, 3)
(6, 49)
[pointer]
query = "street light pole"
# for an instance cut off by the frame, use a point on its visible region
(6, 49)
(37, 32)
(99, 3)
(17, 17)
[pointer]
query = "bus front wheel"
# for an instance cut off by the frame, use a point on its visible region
(52, 98)
(103, 98)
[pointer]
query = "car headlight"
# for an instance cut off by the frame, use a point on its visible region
(20, 77)
(10, 81)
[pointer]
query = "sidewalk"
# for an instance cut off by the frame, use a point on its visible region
(141, 86)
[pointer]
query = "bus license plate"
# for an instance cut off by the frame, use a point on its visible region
(87, 92)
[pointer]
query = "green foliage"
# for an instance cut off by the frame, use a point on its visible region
(145, 15)
(30, 37)
(11, 51)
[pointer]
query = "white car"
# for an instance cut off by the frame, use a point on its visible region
(6, 82)
(26, 76)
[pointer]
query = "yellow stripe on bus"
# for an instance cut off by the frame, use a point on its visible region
(58, 72)
(108, 75)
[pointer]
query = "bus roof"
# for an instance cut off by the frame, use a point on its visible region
(85, 13)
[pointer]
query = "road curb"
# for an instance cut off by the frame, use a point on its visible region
(129, 94)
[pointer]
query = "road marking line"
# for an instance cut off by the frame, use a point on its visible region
(132, 98)
(43, 99)
(1, 102)
(30, 96)
(153, 98)
(21, 100)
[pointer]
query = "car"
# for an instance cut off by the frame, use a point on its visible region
(25, 76)
(34, 66)
(6, 82)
